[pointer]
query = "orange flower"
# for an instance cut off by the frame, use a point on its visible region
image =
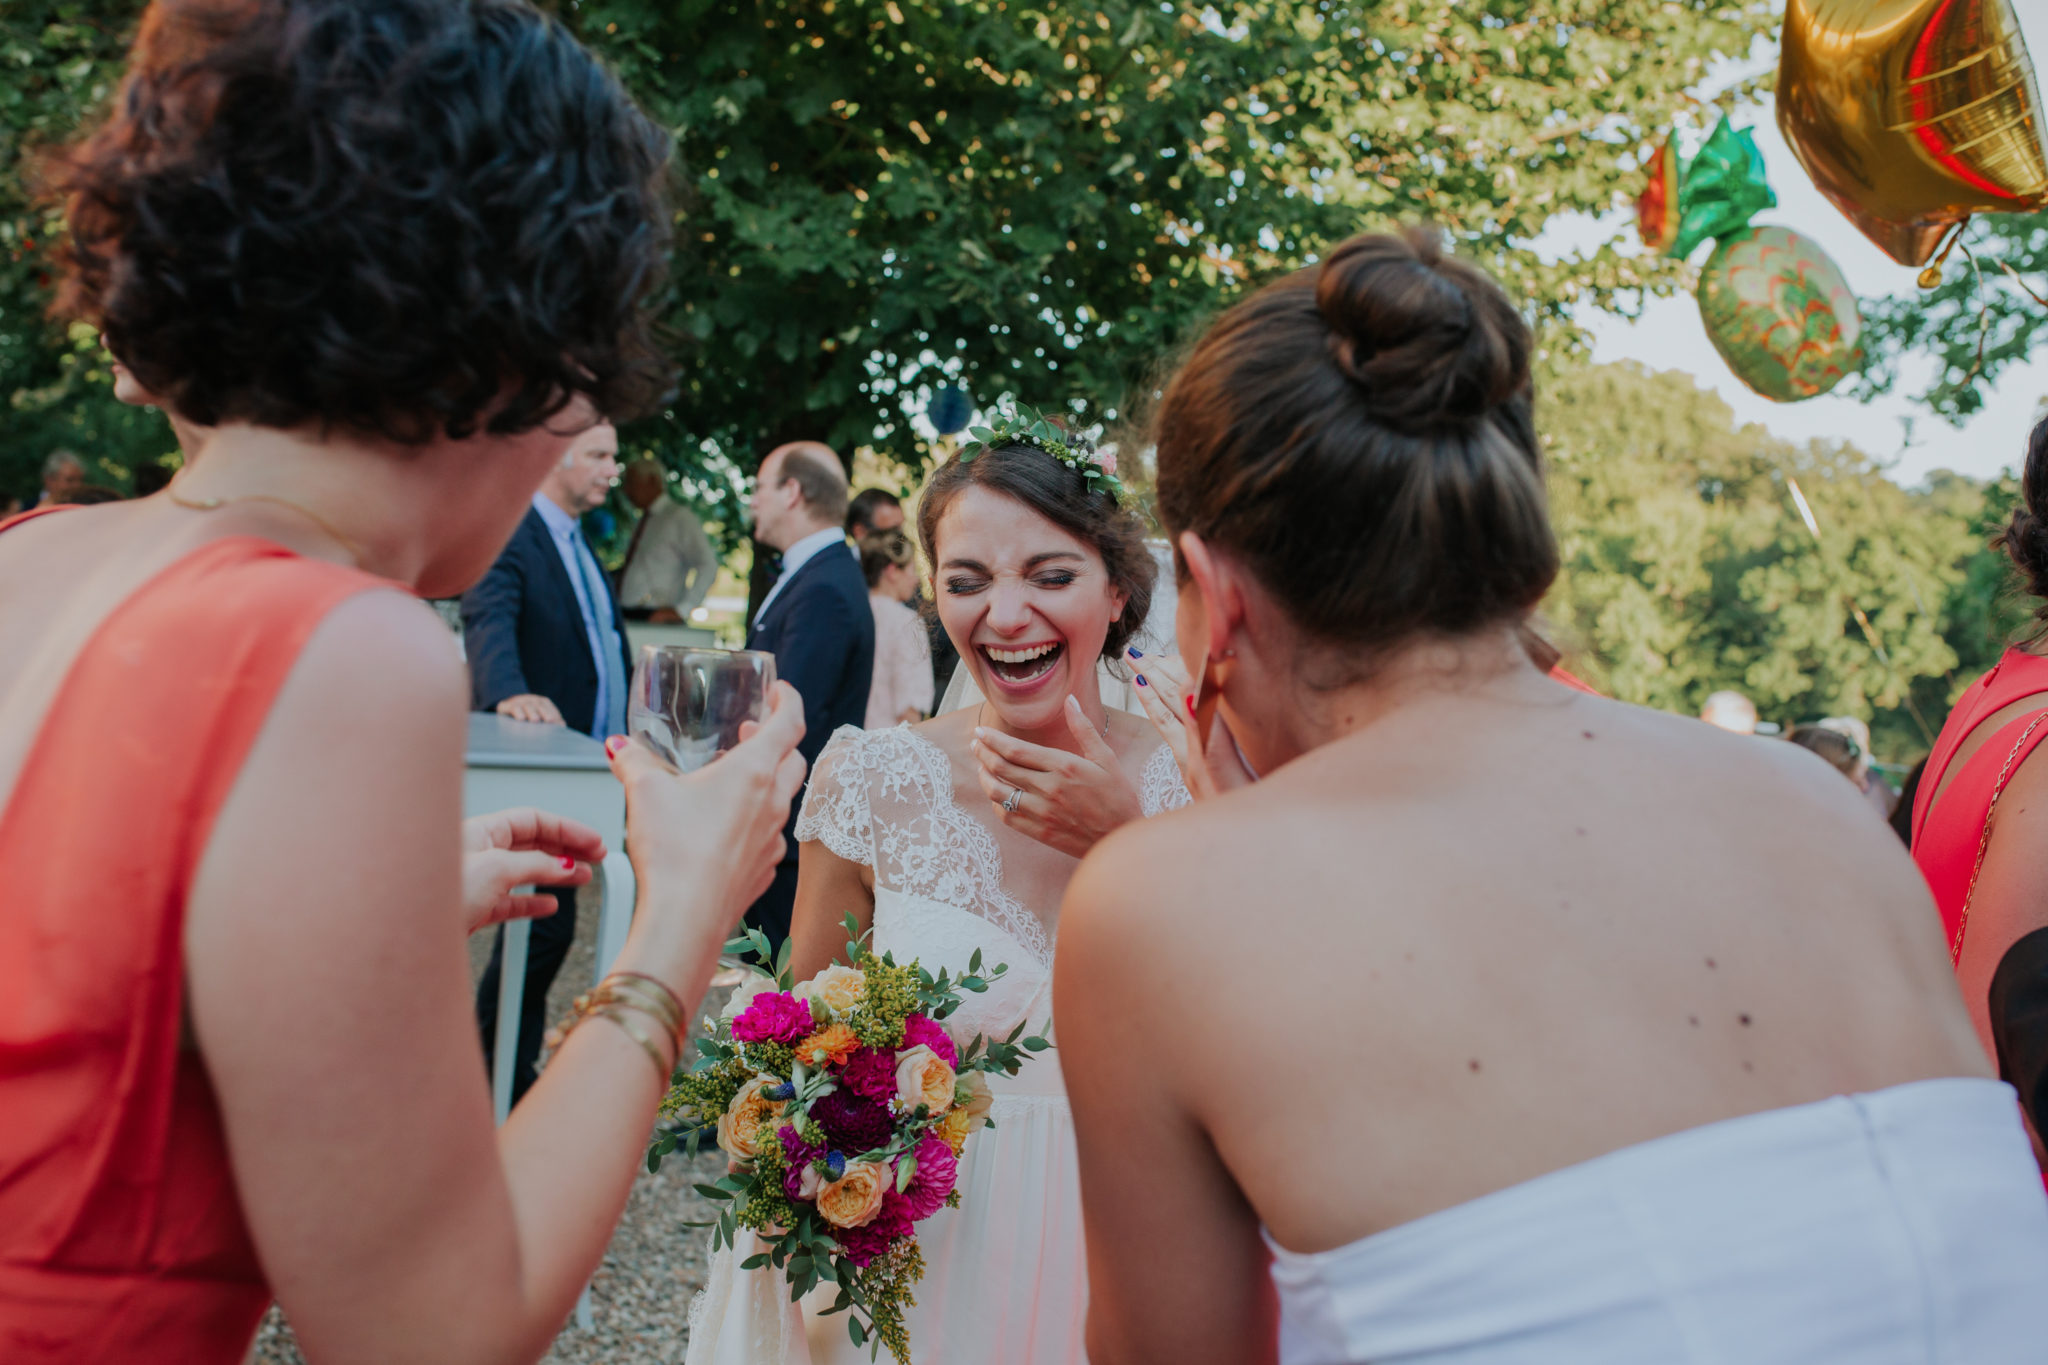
(830, 1045)
(953, 1129)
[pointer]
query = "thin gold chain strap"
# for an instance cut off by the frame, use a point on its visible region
(1955, 947)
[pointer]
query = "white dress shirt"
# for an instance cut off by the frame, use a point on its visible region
(569, 544)
(798, 555)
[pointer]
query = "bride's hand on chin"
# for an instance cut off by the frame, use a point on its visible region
(1065, 801)
(1208, 767)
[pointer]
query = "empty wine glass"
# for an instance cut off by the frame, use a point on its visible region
(688, 703)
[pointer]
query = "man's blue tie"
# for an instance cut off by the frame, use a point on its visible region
(612, 721)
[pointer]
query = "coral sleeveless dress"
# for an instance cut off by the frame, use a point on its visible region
(1946, 839)
(121, 1234)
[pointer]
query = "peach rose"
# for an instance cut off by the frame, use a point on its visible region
(838, 988)
(855, 1198)
(739, 1127)
(832, 1044)
(924, 1077)
(973, 1098)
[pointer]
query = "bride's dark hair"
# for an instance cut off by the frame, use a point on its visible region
(1359, 436)
(1063, 497)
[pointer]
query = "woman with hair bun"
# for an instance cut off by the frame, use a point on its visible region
(393, 253)
(1990, 876)
(1497, 1022)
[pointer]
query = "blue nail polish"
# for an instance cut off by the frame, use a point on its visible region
(1141, 680)
(1136, 653)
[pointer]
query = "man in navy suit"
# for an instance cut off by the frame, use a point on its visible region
(546, 644)
(815, 621)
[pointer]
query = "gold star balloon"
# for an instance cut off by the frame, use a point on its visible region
(1911, 115)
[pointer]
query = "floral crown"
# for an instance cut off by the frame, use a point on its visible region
(1027, 427)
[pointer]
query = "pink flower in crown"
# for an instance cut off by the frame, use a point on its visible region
(1106, 460)
(920, 1029)
(937, 1169)
(777, 1017)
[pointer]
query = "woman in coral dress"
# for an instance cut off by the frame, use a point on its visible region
(236, 1055)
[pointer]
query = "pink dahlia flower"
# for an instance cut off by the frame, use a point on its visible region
(871, 1239)
(920, 1029)
(937, 1169)
(776, 1017)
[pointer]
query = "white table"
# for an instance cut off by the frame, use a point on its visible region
(518, 763)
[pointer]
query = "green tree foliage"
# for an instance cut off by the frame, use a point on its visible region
(1018, 195)
(1688, 568)
(1976, 325)
(59, 60)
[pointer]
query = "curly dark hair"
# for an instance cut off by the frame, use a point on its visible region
(1062, 497)
(2025, 536)
(400, 217)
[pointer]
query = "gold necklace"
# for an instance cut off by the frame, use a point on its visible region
(348, 544)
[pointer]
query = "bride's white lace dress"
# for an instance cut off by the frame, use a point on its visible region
(1005, 1280)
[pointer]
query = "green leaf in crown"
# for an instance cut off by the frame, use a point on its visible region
(1023, 426)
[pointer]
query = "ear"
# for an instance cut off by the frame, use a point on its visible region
(1218, 594)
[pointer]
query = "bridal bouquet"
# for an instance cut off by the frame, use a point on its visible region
(842, 1106)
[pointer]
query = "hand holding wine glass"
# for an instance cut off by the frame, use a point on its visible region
(705, 844)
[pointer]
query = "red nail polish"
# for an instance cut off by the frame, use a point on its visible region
(1191, 706)
(613, 745)
(568, 864)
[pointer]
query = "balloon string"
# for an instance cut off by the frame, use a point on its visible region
(2007, 268)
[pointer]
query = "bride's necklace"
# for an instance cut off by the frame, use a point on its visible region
(347, 543)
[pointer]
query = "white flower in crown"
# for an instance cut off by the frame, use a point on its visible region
(1027, 427)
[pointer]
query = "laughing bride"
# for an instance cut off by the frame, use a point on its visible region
(961, 834)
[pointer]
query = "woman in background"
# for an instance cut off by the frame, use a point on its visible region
(902, 690)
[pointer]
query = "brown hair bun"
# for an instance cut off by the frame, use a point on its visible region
(1359, 436)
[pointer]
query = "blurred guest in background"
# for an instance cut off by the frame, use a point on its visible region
(815, 620)
(902, 690)
(63, 476)
(669, 561)
(546, 644)
(872, 510)
(1730, 711)
(1871, 782)
(1837, 748)
(88, 494)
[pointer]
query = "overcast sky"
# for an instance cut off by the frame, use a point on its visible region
(1669, 336)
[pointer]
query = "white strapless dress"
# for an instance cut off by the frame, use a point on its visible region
(1006, 1273)
(1905, 1225)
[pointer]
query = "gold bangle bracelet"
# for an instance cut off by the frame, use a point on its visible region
(664, 1066)
(644, 993)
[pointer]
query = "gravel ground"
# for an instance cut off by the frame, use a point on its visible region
(640, 1297)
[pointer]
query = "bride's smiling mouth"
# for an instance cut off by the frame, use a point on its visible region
(1022, 665)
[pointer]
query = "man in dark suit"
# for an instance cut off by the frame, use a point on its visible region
(815, 621)
(546, 644)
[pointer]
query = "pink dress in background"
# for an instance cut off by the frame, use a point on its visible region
(903, 664)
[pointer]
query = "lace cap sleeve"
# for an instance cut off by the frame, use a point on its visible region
(835, 809)
(1160, 787)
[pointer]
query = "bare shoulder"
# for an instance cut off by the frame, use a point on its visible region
(381, 659)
